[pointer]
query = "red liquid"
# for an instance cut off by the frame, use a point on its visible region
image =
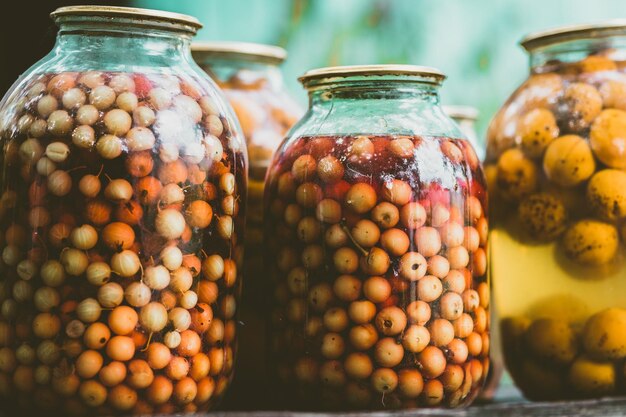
(51, 384)
(313, 338)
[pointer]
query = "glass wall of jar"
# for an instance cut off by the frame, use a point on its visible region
(556, 160)
(250, 76)
(466, 117)
(377, 228)
(121, 217)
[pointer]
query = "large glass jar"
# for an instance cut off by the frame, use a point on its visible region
(377, 228)
(556, 160)
(250, 76)
(121, 217)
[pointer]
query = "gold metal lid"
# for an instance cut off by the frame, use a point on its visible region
(239, 50)
(371, 70)
(572, 32)
(461, 112)
(158, 17)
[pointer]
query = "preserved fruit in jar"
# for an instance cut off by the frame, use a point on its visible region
(120, 267)
(249, 75)
(555, 173)
(377, 223)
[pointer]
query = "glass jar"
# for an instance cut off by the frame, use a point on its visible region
(249, 75)
(466, 117)
(556, 159)
(121, 216)
(377, 225)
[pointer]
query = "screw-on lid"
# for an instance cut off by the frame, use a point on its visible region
(573, 32)
(172, 20)
(371, 70)
(239, 50)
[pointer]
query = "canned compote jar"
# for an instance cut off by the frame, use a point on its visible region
(556, 160)
(122, 197)
(377, 233)
(249, 75)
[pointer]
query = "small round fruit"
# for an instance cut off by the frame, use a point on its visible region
(603, 336)
(384, 380)
(391, 321)
(543, 216)
(568, 161)
(541, 90)
(608, 138)
(591, 242)
(590, 377)
(606, 192)
(537, 129)
(583, 103)
(361, 198)
(613, 93)
(517, 175)
(433, 361)
(551, 339)
(594, 63)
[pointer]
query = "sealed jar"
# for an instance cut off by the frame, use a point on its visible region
(556, 160)
(121, 219)
(377, 228)
(249, 75)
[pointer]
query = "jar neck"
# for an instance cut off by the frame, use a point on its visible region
(96, 40)
(391, 93)
(575, 50)
(375, 105)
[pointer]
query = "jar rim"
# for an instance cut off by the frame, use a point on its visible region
(461, 112)
(177, 21)
(248, 51)
(430, 74)
(560, 34)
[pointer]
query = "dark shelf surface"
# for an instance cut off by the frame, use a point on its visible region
(508, 402)
(610, 407)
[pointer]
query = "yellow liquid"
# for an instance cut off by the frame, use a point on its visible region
(537, 281)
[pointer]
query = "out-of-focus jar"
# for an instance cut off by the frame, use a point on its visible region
(250, 76)
(377, 228)
(121, 222)
(466, 117)
(556, 160)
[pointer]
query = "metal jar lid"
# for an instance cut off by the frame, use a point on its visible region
(333, 73)
(238, 50)
(574, 32)
(149, 17)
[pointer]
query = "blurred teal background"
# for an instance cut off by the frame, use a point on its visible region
(475, 42)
